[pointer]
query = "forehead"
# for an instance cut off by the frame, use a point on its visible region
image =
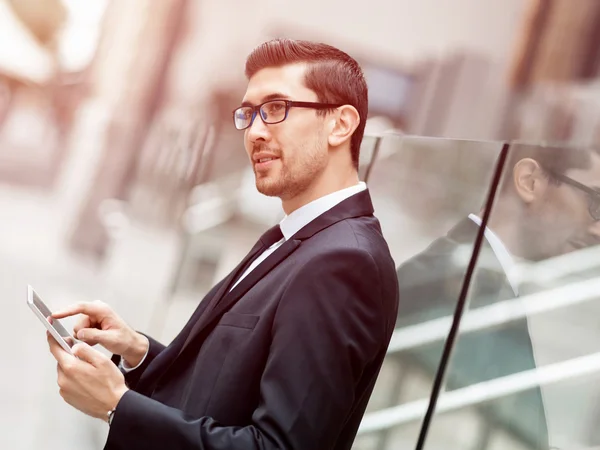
(288, 81)
(591, 176)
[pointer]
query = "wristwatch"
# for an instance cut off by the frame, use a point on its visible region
(110, 415)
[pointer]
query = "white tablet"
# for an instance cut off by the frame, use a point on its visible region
(58, 332)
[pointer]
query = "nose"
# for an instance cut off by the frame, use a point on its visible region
(258, 131)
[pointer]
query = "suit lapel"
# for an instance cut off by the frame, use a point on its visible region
(234, 274)
(490, 282)
(228, 299)
(165, 360)
(254, 277)
(356, 206)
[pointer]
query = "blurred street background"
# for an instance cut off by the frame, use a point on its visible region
(122, 179)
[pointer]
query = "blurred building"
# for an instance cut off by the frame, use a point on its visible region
(165, 78)
(120, 111)
(145, 119)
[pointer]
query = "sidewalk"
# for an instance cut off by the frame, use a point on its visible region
(32, 413)
(32, 235)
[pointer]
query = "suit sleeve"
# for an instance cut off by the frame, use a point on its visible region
(329, 327)
(133, 376)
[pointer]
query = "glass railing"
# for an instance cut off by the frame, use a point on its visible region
(520, 370)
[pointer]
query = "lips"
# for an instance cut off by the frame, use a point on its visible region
(263, 160)
(262, 156)
(263, 165)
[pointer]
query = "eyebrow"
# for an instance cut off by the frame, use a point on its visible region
(266, 98)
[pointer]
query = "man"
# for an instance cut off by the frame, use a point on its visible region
(284, 352)
(548, 204)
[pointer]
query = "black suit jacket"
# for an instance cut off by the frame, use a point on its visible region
(430, 284)
(286, 360)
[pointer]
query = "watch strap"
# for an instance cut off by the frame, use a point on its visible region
(110, 415)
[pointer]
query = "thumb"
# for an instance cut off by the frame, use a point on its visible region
(93, 336)
(86, 353)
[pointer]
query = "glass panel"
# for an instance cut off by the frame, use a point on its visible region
(368, 148)
(423, 190)
(527, 358)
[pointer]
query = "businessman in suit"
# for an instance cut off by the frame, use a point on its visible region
(284, 352)
(548, 204)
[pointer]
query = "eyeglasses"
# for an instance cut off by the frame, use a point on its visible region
(272, 111)
(592, 194)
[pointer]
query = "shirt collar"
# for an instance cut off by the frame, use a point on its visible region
(294, 222)
(507, 261)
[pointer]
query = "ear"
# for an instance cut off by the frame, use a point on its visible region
(529, 180)
(346, 120)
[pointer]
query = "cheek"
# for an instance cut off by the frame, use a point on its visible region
(570, 216)
(308, 132)
(576, 209)
(247, 144)
(564, 206)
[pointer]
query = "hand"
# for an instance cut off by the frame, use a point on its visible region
(101, 325)
(92, 383)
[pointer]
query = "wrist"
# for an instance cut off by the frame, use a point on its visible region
(112, 406)
(137, 350)
(109, 416)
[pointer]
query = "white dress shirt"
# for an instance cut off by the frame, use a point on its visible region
(508, 263)
(290, 225)
(297, 220)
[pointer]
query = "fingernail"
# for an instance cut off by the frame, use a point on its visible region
(80, 335)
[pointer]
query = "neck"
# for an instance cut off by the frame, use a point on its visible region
(326, 184)
(506, 230)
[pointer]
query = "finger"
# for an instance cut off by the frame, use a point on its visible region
(92, 309)
(93, 336)
(62, 357)
(60, 376)
(63, 382)
(82, 323)
(86, 353)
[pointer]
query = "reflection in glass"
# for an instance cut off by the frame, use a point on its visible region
(536, 363)
(422, 187)
(525, 368)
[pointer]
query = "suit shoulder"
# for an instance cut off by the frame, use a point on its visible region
(443, 256)
(362, 233)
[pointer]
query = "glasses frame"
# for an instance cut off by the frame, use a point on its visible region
(592, 194)
(288, 104)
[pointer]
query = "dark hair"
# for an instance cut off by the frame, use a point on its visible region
(332, 74)
(553, 158)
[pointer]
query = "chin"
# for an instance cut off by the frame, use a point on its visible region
(268, 188)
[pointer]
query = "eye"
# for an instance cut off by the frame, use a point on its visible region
(275, 108)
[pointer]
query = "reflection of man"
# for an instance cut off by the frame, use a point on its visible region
(284, 352)
(548, 205)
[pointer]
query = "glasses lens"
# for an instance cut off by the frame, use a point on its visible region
(273, 112)
(242, 117)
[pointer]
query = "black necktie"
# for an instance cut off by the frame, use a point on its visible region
(271, 236)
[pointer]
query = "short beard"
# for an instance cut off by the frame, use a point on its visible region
(288, 186)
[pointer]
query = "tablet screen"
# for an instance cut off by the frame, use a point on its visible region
(41, 306)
